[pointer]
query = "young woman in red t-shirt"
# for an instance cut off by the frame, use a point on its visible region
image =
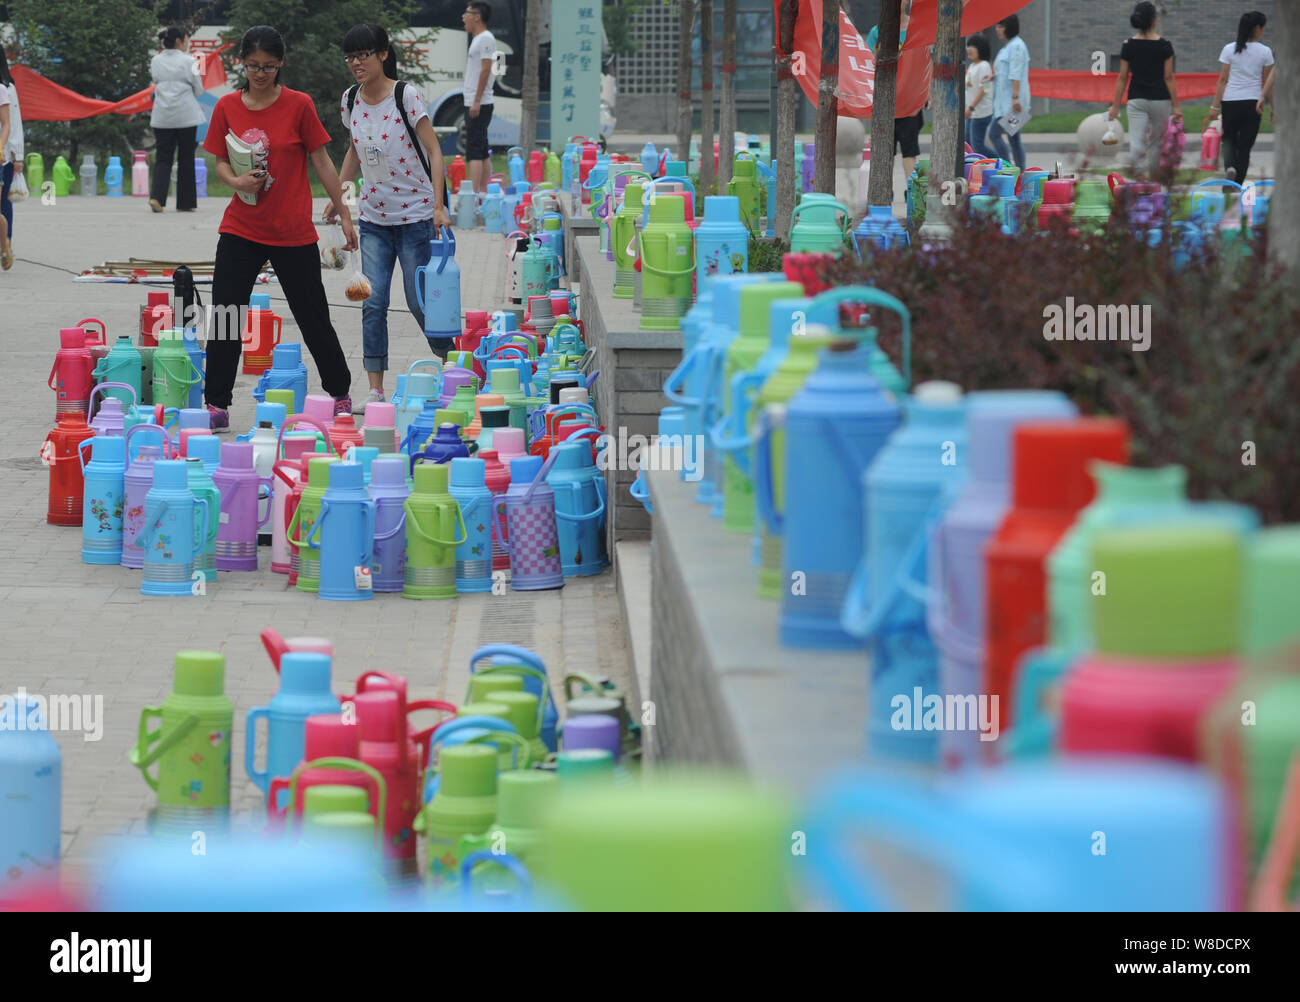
(282, 127)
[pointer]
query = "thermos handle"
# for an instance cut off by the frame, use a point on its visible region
(269, 484)
(258, 776)
(541, 476)
(741, 386)
(181, 380)
(873, 297)
(448, 247)
(415, 523)
(368, 539)
(521, 753)
(277, 323)
(398, 527)
(357, 766)
(314, 534)
(289, 533)
(419, 284)
(595, 513)
(763, 493)
(511, 863)
(81, 445)
(100, 387)
(144, 538)
(422, 738)
(591, 683)
(103, 328)
(142, 756)
(675, 380)
(292, 421)
(130, 433)
(1278, 866)
(499, 531)
(213, 503)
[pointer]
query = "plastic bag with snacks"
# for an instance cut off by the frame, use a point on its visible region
(358, 286)
(332, 255)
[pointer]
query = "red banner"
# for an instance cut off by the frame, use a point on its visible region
(1080, 85)
(42, 100)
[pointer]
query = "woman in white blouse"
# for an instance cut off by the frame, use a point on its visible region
(11, 157)
(176, 117)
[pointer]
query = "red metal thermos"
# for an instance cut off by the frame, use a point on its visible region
(155, 316)
(1051, 484)
(60, 453)
(262, 329)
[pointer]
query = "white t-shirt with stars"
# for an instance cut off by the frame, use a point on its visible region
(396, 189)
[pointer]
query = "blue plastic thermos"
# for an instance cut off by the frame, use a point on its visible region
(344, 534)
(579, 505)
(523, 662)
(474, 556)
(418, 388)
(721, 240)
(304, 692)
(389, 489)
(240, 488)
(203, 486)
(443, 447)
(515, 164)
(136, 482)
(113, 177)
(422, 427)
(466, 205)
(650, 159)
(201, 177)
(197, 357)
(103, 499)
(175, 525)
(491, 208)
(437, 287)
(31, 786)
(364, 456)
(835, 426)
(913, 479)
(287, 372)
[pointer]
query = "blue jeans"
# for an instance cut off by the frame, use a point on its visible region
(976, 130)
(381, 248)
(999, 139)
(6, 206)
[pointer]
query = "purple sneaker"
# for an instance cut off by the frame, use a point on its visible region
(218, 418)
(342, 405)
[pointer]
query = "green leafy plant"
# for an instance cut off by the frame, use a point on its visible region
(766, 255)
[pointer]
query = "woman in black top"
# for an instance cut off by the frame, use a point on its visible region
(1149, 59)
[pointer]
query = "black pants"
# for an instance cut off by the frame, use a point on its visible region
(298, 269)
(179, 143)
(1240, 127)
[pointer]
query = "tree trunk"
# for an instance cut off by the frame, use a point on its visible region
(706, 99)
(1284, 219)
(880, 187)
(727, 122)
(786, 97)
(684, 116)
(828, 104)
(532, 76)
(947, 98)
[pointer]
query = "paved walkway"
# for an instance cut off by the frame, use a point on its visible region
(70, 628)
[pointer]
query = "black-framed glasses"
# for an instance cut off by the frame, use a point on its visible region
(358, 57)
(262, 68)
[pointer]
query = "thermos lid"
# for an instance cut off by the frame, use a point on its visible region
(722, 208)
(991, 418)
(1052, 460)
(199, 673)
(430, 478)
(668, 209)
(524, 796)
(784, 315)
(467, 771)
(521, 711)
(334, 830)
(1171, 591)
(378, 716)
(272, 412)
(297, 445)
(672, 421)
(158, 299)
(206, 448)
(363, 456)
(1272, 584)
(583, 764)
(328, 735)
(22, 715)
(380, 415)
(506, 320)
(72, 337)
(937, 393)
(489, 400)
(347, 476)
(491, 708)
(237, 455)
(421, 384)
(496, 416)
(504, 380)
(187, 435)
(195, 417)
(482, 687)
(523, 469)
(468, 472)
(449, 423)
(259, 301)
(388, 470)
(282, 397)
(476, 319)
(570, 455)
(170, 474)
(320, 407)
(453, 378)
(316, 472)
(756, 305)
(592, 730)
(329, 798)
(108, 449)
(509, 443)
(574, 395)
(285, 356)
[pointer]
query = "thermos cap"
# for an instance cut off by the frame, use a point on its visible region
(380, 415)
(206, 448)
(525, 796)
(297, 445)
(1052, 460)
(196, 417)
(170, 474)
(1272, 584)
(316, 472)
(320, 407)
(756, 305)
(347, 476)
(24, 715)
(108, 449)
(468, 472)
(484, 686)
(329, 798)
(430, 478)
(521, 711)
(672, 421)
(272, 412)
(496, 416)
(937, 393)
(283, 398)
(592, 730)
(509, 443)
(574, 395)
(285, 356)
(490, 708)
(328, 735)
(158, 299)
(584, 763)
(378, 716)
(389, 469)
(259, 301)
(421, 384)
(467, 771)
(199, 673)
(476, 319)
(237, 455)
(523, 469)
(504, 381)
(72, 337)
(991, 419)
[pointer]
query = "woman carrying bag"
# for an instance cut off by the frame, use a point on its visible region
(11, 157)
(175, 119)
(1245, 83)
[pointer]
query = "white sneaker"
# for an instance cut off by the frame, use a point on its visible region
(373, 397)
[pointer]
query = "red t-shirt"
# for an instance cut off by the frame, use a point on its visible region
(283, 135)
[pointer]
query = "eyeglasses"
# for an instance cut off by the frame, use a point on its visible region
(260, 68)
(358, 57)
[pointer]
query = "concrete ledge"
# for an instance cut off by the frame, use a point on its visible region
(633, 577)
(725, 690)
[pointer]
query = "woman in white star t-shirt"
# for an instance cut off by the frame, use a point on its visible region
(402, 207)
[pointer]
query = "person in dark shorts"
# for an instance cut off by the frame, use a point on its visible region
(907, 138)
(477, 92)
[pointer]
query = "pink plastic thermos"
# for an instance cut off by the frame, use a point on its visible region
(387, 747)
(278, 646)
(326, 736)
(71, 376)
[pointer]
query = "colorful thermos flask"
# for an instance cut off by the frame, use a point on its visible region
(508, 659)
(175, 528)
(579, 490)
(531, 537)
(71, 377)
(240, 487)
(437, 286)
(389, 489)
(303, 521)
(434, 529)
(344, 536)
(103, 500)
(304, 692)
(387, 747)
(202, 485)
(474, 556)
(191, 745)
(31, 785)
(62, 453)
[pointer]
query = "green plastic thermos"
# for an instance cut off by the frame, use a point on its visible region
(747, 187)
(465, 804)
(578, 768)
(675, 843)
(524, 799)
(484, 685)
(122, 364)
(524, 712)
(35, 173)
(173, 370)
(1269, 622)
(63, 176)
(304, 521)
(819, 225)
(623, 239)
(191, 745)
(743, 354)
(434, 528)
(667, 264)
(777, 390)
(204, 488)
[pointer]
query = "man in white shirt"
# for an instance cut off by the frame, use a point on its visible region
(478, 91)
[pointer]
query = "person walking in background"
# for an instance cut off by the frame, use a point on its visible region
(283, 131)
(979, 94)
(907, 130)
(1153, 93)
(397, 154)
(477, 92)
(175, 119)
(1010, 90)
(11, 157)
(1245, 83)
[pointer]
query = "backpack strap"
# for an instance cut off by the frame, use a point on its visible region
(399, 92)
(352, 97)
